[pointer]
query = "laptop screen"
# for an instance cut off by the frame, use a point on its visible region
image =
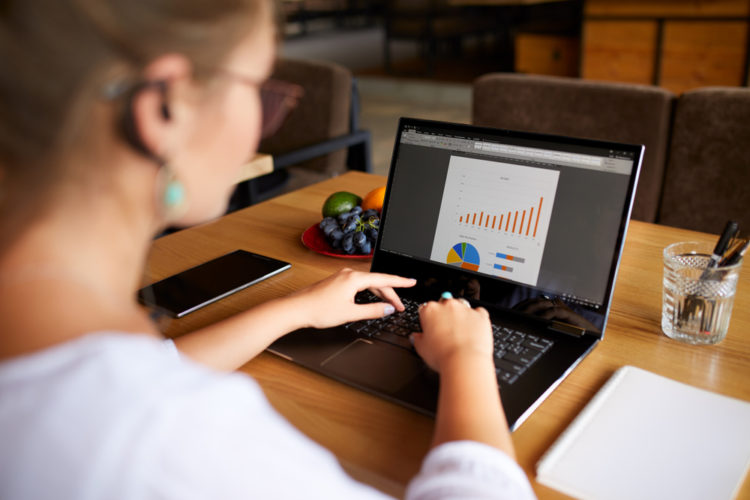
(516, 215)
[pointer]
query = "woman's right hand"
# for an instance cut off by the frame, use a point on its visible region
(456, 341)
(450, 328)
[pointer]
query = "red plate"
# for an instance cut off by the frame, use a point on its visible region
(314, 239)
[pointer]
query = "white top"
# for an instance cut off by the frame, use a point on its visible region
(114, 415)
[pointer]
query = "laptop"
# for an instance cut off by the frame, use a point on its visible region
(529, 226)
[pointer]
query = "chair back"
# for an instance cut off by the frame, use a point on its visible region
(322, 113)
(707, 181)
(634, 114)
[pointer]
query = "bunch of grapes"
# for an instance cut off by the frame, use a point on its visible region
(352, 232)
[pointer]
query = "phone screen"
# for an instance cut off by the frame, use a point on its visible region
(199, 286)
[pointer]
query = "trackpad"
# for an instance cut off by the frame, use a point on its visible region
(375, 365)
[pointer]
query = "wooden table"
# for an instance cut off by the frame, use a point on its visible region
(383, 443)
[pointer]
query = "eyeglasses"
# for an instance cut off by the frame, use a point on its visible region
(277, 99)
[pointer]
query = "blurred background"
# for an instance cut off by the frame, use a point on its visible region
(670, 74)
(438, 47)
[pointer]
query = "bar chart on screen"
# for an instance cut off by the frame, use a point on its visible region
(494, 218)
(526, 225)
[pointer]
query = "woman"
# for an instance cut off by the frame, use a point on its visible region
(119, 119)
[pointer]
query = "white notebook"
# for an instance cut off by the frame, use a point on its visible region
(647, 436)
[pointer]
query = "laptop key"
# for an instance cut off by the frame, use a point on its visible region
(501, 346)
(401, 320)
(358, 326)
(525, 358)
(369, 331)
(508, 366)
(516, 348)
(506, 377)
(516, 338)
(403, 332)
(538, 344)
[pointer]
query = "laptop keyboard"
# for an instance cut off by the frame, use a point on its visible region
(394, 329)
(515, 351)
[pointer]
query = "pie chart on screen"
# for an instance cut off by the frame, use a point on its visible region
(463, 255)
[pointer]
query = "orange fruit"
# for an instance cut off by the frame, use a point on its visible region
(374, 199)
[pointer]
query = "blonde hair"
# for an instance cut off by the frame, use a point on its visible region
(56, 56)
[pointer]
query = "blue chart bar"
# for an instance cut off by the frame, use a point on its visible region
(505, 256)
(503, 268)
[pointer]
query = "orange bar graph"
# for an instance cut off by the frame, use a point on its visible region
(523, 226)
(531, 216)
(536, 224)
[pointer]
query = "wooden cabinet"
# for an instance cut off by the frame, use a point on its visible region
(676, 44)
(543, 54)
(621, 51)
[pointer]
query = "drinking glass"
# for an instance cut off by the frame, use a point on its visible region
(697, 300)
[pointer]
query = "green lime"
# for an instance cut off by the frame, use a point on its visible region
(339, 203)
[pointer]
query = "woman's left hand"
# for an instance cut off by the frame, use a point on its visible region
(331, 302)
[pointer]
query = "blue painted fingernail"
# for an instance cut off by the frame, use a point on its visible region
(446, 295)
(388, 310)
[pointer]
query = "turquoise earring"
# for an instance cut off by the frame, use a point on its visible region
(173, 196)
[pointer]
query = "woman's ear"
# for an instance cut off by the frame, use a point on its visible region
(152, 107)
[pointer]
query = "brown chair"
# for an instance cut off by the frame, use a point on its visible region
(707, 181)
(319, 139)
(634, 114)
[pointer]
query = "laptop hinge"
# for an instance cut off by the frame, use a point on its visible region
(574, 331)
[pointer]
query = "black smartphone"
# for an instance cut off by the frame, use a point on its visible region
(201, 285)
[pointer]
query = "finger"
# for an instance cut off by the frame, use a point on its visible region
(382, 280)
(464, 302)
(426, 305)
(390, 295)
(375, 310)
(483, 311)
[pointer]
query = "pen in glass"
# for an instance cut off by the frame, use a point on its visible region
(736, 256)
(730, 229)
(734, 245)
